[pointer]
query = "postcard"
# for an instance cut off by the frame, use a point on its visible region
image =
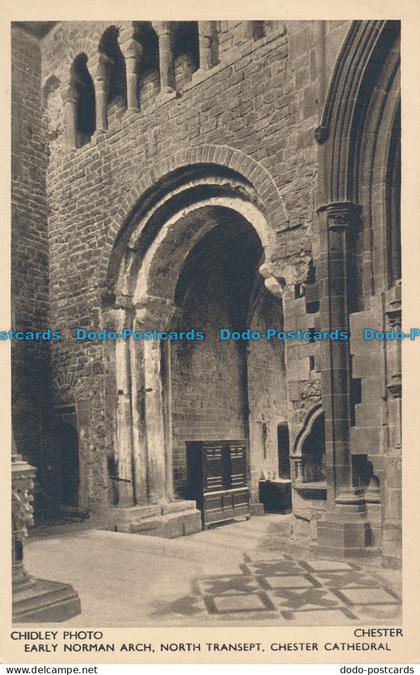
(211, 350)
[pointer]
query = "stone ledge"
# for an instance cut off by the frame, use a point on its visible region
(134, 513)
(45, 601)
(174, 519)
(178, 505)
(171, 525)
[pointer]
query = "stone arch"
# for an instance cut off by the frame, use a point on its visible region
(378, 150)
(366, 47)
(308, 421)
(81, 46)
(309, 447)
(181, 202)
(223, 163)
(113, 64)
(176, 239)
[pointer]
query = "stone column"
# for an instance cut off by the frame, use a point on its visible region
(138, 418)
(133, 52)
(124, 436)
(156, 314)
(155, 427)
(101, 92)
(206, 36)
(144, 429)
(298, 468)
(70, 98)
(167, 381)
(337, 220)
(166, 62)
(344, 529)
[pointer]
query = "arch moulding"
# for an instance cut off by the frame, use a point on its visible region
(157, 184)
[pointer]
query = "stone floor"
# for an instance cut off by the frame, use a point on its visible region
(243, 573)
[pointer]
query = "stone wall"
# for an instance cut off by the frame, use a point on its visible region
(30, 302)
(261, 98)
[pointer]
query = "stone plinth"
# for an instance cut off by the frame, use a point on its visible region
(33, 599)
(170, 519)
(344, 531)
(43, 600)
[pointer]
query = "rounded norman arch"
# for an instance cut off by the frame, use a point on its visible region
(213, 189)
(205, 176)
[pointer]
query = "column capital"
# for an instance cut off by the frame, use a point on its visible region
(69, 93)
(341, 215)
(163, 27)
(122, 317)
(154, 310)
(102, 68)
(132, 50)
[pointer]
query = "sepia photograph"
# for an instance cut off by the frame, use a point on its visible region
(206, 323)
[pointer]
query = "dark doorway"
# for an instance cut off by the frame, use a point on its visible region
(283, 446)
(67, 438)
(86, 115)
(209, 377)
(313, 453)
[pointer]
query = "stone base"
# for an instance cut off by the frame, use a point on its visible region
(341, 535)
(42, 600)
(173, 519)
(341, 540)
(345, 532)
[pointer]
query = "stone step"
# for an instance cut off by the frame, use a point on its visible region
(170, 525)
(45, 601)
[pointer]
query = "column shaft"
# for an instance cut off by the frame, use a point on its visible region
(132, 53)
(166, 63)
(100, 101)
(154, 417)
(124, 450)
(336, 220)
(206, 44)
(70, 99)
